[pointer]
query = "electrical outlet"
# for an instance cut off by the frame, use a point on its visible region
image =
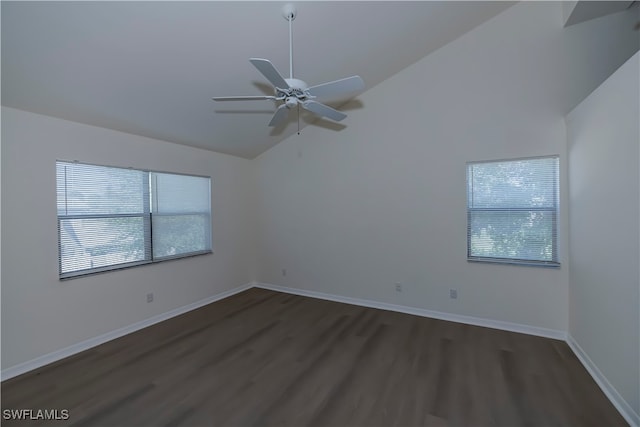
(398, 287)
(150, 297)
(284, 272)
(453, 293)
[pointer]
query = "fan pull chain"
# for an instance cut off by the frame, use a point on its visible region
(298, 118)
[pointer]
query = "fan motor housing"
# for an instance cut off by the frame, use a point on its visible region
(297, 91)
(296, 84)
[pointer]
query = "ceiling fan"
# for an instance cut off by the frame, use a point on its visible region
(295, 92)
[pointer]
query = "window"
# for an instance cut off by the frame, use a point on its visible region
(512, 211)
(111, 218)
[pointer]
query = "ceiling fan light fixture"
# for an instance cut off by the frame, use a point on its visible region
(291, 102)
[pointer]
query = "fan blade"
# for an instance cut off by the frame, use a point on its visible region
(279, 116)
(323, 110)
(269, 71)
(241, 98)
(337, 87)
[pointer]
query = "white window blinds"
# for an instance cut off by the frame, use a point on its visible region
(107, 217)
(181, 215)
(512, 211)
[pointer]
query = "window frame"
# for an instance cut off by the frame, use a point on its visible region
(554, 211)
(147, 218)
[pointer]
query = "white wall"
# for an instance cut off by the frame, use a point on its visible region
(604, 160)
(41, 314)
(383, 200)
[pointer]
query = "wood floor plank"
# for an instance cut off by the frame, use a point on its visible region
(264, 358)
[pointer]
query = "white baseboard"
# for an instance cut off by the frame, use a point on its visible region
(609, 390)
(46, 359)
(476, 321)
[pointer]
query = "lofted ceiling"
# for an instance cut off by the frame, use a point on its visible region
(150, 68)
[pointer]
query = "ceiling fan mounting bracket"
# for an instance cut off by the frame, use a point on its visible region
(289, 12)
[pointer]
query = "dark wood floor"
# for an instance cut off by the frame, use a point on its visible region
(267, 358)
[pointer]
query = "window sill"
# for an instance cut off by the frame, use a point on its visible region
(92, 272)
(544, 264)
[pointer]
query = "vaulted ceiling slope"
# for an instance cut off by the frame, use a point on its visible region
(151, 68)
(575, 11)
